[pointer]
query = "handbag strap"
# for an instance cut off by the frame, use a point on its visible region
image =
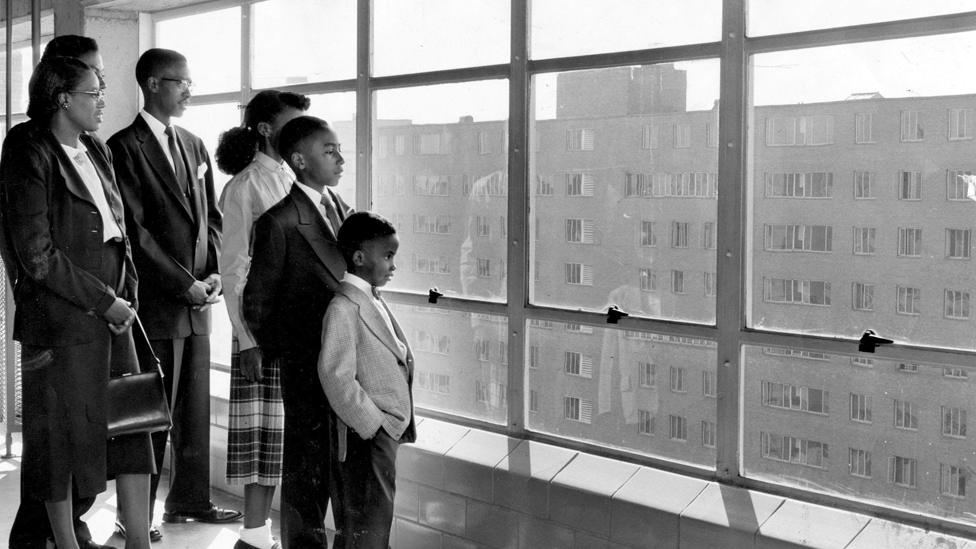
(152, 353)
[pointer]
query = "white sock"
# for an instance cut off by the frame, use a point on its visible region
(259, 537)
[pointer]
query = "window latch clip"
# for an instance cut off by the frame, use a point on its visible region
(433, 294)
(870, 340)
(614, 314)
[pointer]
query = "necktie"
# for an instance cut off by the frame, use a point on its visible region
(179, 168)
(330, 213)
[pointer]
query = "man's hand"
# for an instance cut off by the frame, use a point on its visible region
(250, 362)
(119, 316)
(198, 293)
(215, 288)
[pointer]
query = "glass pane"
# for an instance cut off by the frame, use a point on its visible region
(624, 180)
(211, 42)
(576, 27)
(885, 432)
(462, 361)
(776, 16)
(208, 122)
(339, 110)
(438, 34)
(860, 161)
(440, 174)
(645, 392)
(281, 62)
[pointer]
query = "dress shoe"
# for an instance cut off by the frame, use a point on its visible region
(241, 544)
(154, 533)
(214, 515)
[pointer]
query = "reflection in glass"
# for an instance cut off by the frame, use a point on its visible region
(282, 62)
(438, 34)
(440, 174)
(891, 433)
(645, 392)
(776, 16)
(211, 42)
(339, 110)
(623, 187)
(859, 164)
(461, 361)
(576, 27)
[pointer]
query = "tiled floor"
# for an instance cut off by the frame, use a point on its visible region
(101, 518)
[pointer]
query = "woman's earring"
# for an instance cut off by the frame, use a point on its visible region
(64, 105)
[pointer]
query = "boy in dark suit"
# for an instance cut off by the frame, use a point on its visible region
(295, 268)
(366, 370)
(173, 222)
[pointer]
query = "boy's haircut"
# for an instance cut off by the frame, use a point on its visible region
(358, 229)
(296, 131)
(154, 61)
(69, 45)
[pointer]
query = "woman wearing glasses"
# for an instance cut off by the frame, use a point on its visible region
(74, 284)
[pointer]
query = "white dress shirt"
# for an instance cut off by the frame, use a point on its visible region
(250, 193)
(367, 288)
(316, 198)
(83, 163)
(159, 131)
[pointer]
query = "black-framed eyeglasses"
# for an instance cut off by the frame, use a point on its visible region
(99, 95)
(182, 83)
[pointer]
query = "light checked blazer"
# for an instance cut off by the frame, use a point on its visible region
(363, 373)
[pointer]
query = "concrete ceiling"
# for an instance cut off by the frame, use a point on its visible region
(147, 6)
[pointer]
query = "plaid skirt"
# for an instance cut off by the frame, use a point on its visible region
(256, 425)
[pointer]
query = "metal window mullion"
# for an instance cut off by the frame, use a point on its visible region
(517, 281)
(35, 31)
(364, 103)
(731, 247)
(247, 35)
(10, 356)
(652, 56)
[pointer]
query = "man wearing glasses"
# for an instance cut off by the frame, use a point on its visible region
(173, 222)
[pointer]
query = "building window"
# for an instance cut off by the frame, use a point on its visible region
(579, 274)
(648, 234)
(709, 383)
(954, 372)
(432, 224)
(907, 367)
(648, 280)
(677, 282)
(799, 185)
(482, 349)
(711, 135)
(533, 400)
(430, 265)
(862, 298)
(799, 238)
(533, 356)
(708, 434)
(958, 243)
(577, 364)
(864, 240)
(708, 235)
(578, 409)
(679, 234)
(645, 422)
(953, 422)
(646, 374)
(682, 136)
(793, 450)
(579, 184)
(677, 377)
(909, 242)
(909, 185)
(804, 130)
(579, 231)
(678, 428)
(911, 126)
(859, 462)
(799, 292)
(953, 480)
(709, 279)
(579, 139)
(793, 397)
(860, 408)
(481, 392)
(485, 142)
(960, 124)
(957, 304)
(906, 416)
(400, 145)
(862, 362)
(901, 471)
(907, 300)
(650, 137)
(863, 185)
(483, 225)
(544, 186)
(957, 184)
(637, 185)
(864, 127)
(484, 268)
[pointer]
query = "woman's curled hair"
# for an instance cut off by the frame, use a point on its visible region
(52, 77)
(238, 145)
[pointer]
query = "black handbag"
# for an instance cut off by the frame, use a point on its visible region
(137, 402)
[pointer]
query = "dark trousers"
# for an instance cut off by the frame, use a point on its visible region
(365, 486)
(189, 488)
(31, 527)
(306, 461)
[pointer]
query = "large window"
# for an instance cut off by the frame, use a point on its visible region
(546, 160)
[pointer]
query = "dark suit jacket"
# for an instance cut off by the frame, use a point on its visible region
(295, 268)
(175, 239)
(53, 239)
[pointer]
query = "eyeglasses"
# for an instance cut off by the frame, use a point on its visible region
(182, 84)
(98, 95)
